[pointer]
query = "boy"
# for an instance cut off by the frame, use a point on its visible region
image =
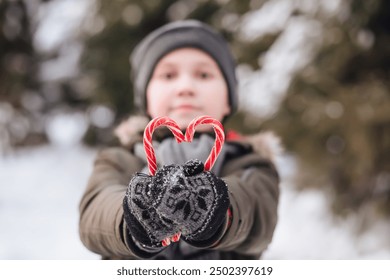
(182, 70)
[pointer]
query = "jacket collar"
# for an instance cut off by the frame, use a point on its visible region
(267, 144)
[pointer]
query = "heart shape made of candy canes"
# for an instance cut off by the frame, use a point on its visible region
(187, 137)
(180, 137)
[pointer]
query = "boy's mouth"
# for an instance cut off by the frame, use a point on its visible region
(184, 107)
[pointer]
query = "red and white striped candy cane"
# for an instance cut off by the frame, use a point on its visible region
(148, 146)
(175, 129)
(219, 138)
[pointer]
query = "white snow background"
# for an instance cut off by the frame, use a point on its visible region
(40, 188)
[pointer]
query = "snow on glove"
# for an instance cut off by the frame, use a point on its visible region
(196, 200)
(144, 223)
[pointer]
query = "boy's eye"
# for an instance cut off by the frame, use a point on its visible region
(167, 75)
(205, 75)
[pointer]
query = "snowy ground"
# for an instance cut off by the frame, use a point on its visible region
(41, 188)
(39, 195)
(308, 230)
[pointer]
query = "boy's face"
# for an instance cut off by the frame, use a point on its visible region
(187, 83)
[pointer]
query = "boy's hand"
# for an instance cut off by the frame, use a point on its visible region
(196, 200)
(145, 224)
(178, 198)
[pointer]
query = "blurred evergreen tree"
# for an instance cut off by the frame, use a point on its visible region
(19, 90)
(336, 115)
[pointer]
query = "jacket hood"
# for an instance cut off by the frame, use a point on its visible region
(267, 144)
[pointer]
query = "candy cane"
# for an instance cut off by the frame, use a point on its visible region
(219, 138)
(148, 147)
(175, 129)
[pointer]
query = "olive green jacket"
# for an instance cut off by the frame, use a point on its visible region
(253, 185)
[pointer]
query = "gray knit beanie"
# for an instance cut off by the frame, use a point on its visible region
(175, 35)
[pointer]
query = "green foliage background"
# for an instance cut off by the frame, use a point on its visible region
(335, 117)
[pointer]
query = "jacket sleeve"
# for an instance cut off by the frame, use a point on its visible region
(254, 193)
(101, 225)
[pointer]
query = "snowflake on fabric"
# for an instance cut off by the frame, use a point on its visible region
(189, 200)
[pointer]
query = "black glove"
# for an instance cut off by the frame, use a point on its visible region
(195, 200)
(177, 199)
(144, 222)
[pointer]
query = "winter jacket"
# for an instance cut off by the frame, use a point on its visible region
(253, 186)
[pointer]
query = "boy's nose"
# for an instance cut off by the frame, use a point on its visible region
(185, 86)
(185, 92)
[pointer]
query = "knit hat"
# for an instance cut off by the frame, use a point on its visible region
(175, 35)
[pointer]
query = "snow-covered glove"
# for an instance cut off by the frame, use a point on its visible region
(195, 200)
(146, 226)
